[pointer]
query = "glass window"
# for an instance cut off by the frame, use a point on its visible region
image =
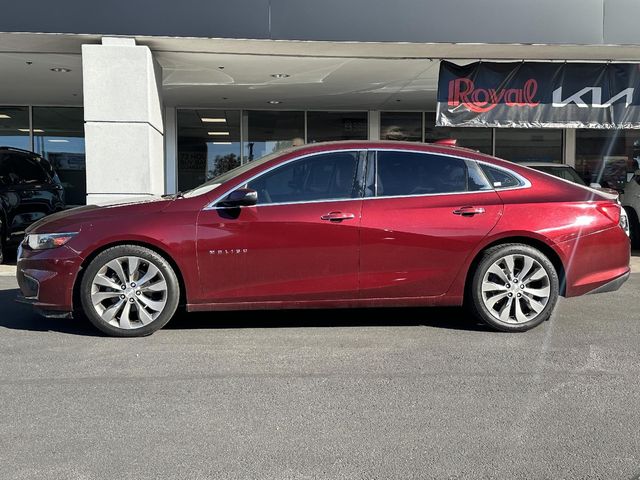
(20, 168)
(270, 132)
(561, 171)
(409, 173)
(327, 126)
(208, 145)
(14, 127)
(607, 157)
(500, 178)
(475, 138)
(321, 177)
(58, 136)
(405, 126)
(529, 144)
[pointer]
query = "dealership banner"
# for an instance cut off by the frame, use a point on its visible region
(537, 94)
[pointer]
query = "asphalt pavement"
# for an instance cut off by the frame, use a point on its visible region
(362, 394)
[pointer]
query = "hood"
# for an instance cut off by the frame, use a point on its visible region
(75, 219)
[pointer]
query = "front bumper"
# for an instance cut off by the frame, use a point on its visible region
(46, 279)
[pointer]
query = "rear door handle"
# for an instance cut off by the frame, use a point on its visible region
(468, 211)
(337, 216)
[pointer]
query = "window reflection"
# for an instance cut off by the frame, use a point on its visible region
(607, 156)
(475, 138)
(328, 126)
(58, 135)
(14, 127)
(529, 144)
(208, 145)
(406, 126)
(270, 131)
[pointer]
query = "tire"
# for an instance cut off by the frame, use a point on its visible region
(503, 300)
(129, 291)
(634, 227)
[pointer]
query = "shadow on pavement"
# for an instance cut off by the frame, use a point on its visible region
(20, 317)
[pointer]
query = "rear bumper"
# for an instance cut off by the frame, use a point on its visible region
(46, 280)
(613, 285)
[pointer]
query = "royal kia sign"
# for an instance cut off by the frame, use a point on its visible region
(536, 94)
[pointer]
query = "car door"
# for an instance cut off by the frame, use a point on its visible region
(299, 242)
(423, 215)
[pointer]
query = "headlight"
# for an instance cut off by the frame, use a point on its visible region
(43, 241)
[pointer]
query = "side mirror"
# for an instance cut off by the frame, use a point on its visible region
(595, 185)
(242, 197)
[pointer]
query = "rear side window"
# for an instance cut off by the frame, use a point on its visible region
(414, 173)
(500, 178)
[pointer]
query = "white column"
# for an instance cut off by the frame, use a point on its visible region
(374, 125)
(124, 129)
(171, 149)
(570, 146)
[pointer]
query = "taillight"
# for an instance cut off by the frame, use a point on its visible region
(611, 211)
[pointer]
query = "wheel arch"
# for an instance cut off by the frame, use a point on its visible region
(536, 243)
(155, 248)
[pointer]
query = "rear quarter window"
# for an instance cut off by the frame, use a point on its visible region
(501, 178)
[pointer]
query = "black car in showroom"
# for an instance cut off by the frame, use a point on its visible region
(29, 190)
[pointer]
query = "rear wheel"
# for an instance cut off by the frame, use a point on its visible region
(515, 288)
(129, 291)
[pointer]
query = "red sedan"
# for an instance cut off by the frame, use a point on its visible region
(344, 224)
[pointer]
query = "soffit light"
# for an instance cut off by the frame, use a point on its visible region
(213, 120)
(280, 75)
(218, 133)
(274, 102)
(60, 70)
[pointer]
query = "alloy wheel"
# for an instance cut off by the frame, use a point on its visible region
(129, 292)
(515, 289)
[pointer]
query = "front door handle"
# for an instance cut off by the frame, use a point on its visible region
(468, 211)
(337, 216)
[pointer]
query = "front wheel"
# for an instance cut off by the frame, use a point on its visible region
(129, 291)
(515, 288)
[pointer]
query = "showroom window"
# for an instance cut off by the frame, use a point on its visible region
(58, 135)
(475, 138)
(208, 145)
(607, 157)
(328, 126)
(529, 144)
(406, 126)
(14, 127)
(271, 131)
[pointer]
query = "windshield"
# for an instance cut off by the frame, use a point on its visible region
(231, 174)
(566, 173)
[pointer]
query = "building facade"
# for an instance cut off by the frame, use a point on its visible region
(132, 99)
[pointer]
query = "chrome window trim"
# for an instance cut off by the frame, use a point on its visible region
(524, 182)
(212, 205)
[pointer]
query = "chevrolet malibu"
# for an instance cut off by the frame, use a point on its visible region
(333, 225)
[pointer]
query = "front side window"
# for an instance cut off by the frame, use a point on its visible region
(413, 173)
(327, 176)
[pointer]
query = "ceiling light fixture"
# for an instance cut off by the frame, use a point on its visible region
(4, 115)
(60, 70)
(221, 143)
(35, 130)
(213, 120)
(280, 75)
(58, 140)
(274, 102)
(218, 133)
